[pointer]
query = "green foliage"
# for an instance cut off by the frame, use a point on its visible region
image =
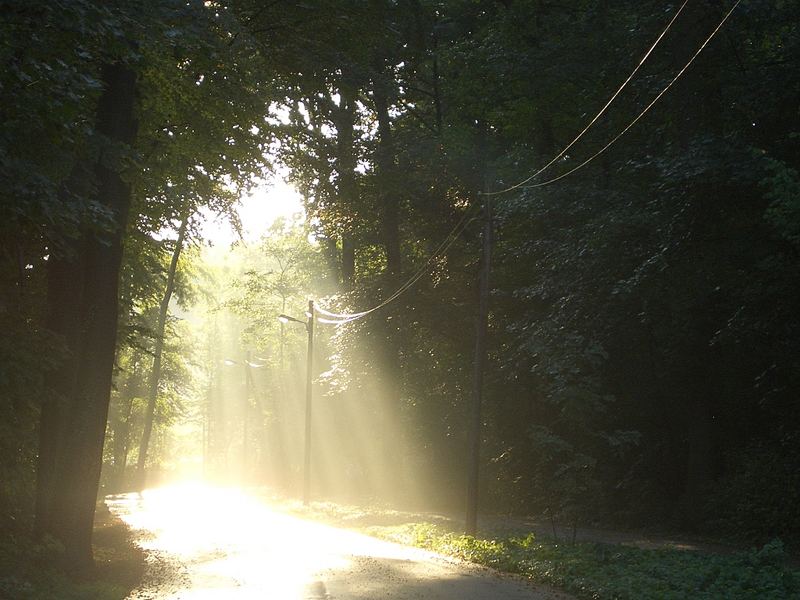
(199, 106)
(177, 400)
(50, 83)
(756, 498)
(783, 191)
(596, 570)
(29, 571)
(24, 368)
(277, 276)
(625, 297)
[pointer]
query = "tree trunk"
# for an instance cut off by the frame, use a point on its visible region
(155, 373)
(121, 426)
(385, 160)
(479, 365)
(345, 116)
(83, 298)
(122, 431)
(348, 261)
(437, 85)
(332, 258)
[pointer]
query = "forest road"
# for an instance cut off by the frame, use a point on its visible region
(212, 543)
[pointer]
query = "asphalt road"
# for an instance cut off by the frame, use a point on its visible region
(211, 543)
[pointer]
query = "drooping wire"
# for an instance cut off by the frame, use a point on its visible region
(443, 247)
(644, 111)
(340, 318)
(599, 114)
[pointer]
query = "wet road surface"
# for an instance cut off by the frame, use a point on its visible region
(220, 544)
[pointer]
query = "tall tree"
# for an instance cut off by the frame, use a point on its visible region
(160, 332)
(83, 299)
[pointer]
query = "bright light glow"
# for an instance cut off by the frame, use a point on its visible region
(233, 545)
(257, 212)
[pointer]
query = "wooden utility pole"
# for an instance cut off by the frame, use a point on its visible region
(471, 524)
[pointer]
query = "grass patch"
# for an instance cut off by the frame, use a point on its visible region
(28, 571)
(598, 571)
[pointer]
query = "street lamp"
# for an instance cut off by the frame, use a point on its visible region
(309, 363)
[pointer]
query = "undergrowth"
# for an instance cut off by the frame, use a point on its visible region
(29, 571)
(600, 571)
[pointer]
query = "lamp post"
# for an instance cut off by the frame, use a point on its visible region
(309, 323)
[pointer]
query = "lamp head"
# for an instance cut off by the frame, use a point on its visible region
(287, 318)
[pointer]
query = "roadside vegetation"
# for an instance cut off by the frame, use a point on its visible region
(600, 570)
(31, 571)
(591, 568)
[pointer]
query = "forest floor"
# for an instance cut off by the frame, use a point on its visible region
(119, 561)
(28, 570)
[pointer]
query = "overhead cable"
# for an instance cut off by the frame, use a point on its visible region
(443, 247)
(644, 111)
(599, 114)
(340, 318)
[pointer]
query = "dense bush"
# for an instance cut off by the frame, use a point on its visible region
(599, 571)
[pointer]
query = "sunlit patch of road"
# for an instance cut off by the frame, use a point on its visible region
(229, 544)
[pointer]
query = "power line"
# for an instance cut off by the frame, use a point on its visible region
(443, 247)
(644, 111)
(341, 318)
(599, 114)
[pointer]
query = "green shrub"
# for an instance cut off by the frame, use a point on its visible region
(592, 570)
